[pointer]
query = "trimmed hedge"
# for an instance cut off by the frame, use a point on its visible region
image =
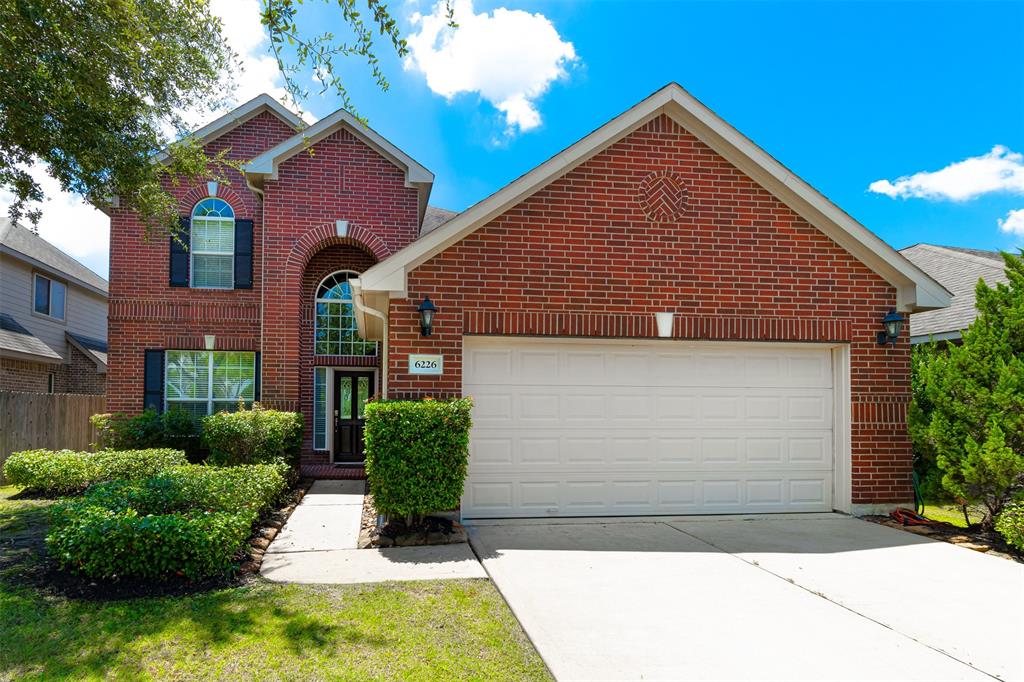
(1010, 524)
(255, 436)
(65, 471)
(417, 453)
(190, 521)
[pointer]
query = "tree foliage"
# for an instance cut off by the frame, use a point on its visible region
(94, 90)
(968, 408)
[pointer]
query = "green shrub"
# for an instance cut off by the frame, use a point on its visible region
(254, 436)
(190, 520)
(175, 428)
(65, 471)
(1010, 524)
(417, 454)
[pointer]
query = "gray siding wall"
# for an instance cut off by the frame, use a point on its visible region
(85, 311)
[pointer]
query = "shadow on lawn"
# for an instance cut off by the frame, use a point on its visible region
(54, 625)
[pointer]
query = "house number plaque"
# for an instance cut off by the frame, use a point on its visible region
(426, 364)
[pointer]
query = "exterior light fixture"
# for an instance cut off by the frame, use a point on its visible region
(893, 325)
(427, 310)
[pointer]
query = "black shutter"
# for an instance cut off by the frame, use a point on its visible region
(179, 254)
(259, 377)
(243, 254)
(153, 395)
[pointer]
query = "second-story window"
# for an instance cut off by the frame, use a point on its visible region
(213, 245)
(50, 297)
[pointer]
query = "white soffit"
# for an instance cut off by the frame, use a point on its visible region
(915, 289)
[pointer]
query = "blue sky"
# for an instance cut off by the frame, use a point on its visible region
(844, 94)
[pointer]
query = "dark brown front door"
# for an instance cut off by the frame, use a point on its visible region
(351, 391)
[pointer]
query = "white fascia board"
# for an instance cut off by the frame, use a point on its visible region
(941, 336)
(267, 163)
(240, 115)
(915, 289)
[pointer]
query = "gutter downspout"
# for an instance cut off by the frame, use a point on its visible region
(357, 300)
(263, 266)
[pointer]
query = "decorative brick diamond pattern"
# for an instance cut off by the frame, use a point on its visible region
(663, 196)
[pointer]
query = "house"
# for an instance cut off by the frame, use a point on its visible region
(53, 318)
(307, 284)
(958, 270)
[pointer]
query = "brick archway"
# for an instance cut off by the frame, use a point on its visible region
(319, 238)
(282, 308)
(243, 206)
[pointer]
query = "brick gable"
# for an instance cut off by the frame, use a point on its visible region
(584, 257)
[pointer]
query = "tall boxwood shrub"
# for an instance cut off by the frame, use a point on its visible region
(175, 428)
(254, 436)
(417, 453)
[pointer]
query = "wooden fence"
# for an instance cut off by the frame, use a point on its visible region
(41, 420)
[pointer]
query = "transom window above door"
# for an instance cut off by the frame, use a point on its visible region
(335, 330)
(213, 245)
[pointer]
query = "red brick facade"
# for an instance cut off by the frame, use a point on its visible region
(78, 375)
(595, 253)
(582, 258)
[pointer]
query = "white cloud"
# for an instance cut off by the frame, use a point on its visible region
(69, 223)
(1013, 223)
(247, 37)
(1001, 170)
(509, 57)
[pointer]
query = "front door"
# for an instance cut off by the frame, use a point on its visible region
(351, 391)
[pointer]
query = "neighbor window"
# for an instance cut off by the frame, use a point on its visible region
(335, 330)
(50, 296)
(213, 245)
(205, 382)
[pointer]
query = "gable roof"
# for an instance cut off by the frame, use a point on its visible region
(958, 270)
(265, 166)
(915, 289)
(16, 341)
(21, 243)
(434, 218)
(239, 115)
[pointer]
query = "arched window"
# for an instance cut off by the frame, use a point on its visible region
(335, 322)
(213, 245)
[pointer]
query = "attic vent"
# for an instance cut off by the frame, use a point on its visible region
(663, 196)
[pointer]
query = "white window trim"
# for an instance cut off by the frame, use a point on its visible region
(209, 400)
(355, 327)
(49, 302)
(193, 252)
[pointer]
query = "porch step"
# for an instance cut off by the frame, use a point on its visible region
(333, 472)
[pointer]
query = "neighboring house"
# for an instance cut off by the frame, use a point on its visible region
(53, 318)
(958, 270)
(306, 280)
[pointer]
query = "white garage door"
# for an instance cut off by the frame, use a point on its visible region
(585, 428)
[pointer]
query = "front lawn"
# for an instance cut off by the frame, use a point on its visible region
(428, 630)
(952, 514)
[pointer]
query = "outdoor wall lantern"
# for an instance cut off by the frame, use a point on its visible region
(893, 324)
(427, 310)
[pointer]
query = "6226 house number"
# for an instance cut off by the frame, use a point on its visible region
(426, 364)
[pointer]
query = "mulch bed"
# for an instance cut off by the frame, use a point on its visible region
(24, 561)
(432, 530)
(985, 541)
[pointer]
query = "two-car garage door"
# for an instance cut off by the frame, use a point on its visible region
(584, 427)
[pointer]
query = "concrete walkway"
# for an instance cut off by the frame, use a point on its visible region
(789, 597)
(318, 545)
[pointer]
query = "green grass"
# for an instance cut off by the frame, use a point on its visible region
(431, 630)
(952, 514)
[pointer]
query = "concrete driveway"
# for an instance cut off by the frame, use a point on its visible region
(794, 597)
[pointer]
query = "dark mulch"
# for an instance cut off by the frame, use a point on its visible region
(25, 561)
(980, 540)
